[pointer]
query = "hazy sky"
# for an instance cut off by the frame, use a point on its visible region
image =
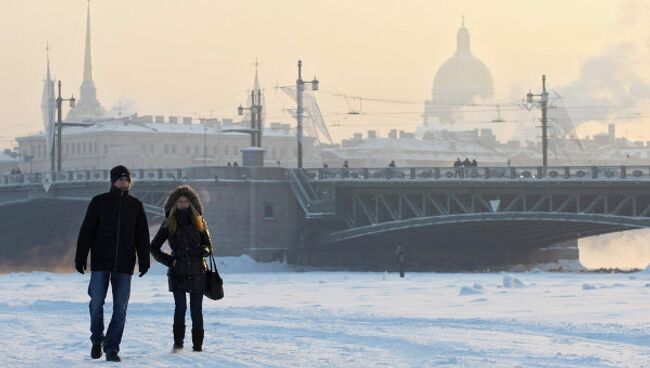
(182, 57)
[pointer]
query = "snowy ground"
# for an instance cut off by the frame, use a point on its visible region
(273, 317)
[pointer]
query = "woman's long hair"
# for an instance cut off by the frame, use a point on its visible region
(197, 219)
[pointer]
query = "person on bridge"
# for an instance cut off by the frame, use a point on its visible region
(457, 165)
(189, 239)
(114, 231)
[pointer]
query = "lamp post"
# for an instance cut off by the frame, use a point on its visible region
(256, 119)
(542, 98)
(30, 159)
(59, 126)
(300, 88)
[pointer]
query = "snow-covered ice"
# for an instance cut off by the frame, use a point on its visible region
(275, 316)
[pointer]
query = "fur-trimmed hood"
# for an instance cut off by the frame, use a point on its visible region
(185, 191)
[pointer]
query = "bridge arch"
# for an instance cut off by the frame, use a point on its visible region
(580, 224)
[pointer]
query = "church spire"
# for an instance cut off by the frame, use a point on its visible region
(256, 82)
(88, 61)
(88, 106)
(48, 104)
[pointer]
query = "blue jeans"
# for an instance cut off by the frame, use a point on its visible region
(97, 289)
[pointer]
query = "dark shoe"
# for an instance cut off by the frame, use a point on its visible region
(96, 351)
(179, 336)
(112, 356)
(197, 340)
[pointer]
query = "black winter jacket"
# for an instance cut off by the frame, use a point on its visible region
(114, 230)
(189, 246)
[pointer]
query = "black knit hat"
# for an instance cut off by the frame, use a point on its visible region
(119, 171)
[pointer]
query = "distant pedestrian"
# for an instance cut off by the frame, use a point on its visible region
(392, 164)
(345, 164)
(114, 231)
(325, 166)
(400, 256)
(189, 240)
(235, 164)
(229, 165)
(467, 162)
(474, 163)
(458, 164)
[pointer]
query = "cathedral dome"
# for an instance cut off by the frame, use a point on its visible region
(463, 77)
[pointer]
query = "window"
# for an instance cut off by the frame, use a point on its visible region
(173, 149)
(166, 149)
(270, 211)
(105, 149)
(187, 150)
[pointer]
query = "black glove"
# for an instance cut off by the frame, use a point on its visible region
(80, 267)
(143, 271)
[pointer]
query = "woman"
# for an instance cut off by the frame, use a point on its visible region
(189, 240)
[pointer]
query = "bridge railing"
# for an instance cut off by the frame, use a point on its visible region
(78, 176)
(482, 173)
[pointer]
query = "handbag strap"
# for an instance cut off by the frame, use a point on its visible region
(212, 264)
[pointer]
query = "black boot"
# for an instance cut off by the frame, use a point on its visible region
(197, 340)
(112, 356)
(179, 336)
(96, 351)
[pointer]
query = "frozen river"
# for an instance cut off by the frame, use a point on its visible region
(274, 317)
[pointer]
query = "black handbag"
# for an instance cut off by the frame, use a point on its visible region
(213, 282)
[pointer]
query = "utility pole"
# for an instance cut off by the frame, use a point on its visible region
(543, 100)
(256, 119)
(300, 88)
(59, 126)
(258, 142)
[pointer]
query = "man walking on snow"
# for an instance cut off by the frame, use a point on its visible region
(114, 230)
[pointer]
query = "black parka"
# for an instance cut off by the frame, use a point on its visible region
(188, 246)
(114, 230)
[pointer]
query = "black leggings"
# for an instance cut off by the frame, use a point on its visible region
(196, 309)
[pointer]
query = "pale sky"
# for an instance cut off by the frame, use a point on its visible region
(195, 57)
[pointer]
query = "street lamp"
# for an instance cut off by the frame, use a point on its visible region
(542, 98)
(59, 126)
(30, 159)
(256, 119)
(300, 88)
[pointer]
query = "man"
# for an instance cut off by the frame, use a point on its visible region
(114, 230)
(400, 257)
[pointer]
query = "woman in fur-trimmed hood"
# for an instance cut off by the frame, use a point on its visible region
(189, 240)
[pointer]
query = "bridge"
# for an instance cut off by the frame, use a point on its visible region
(448, 218)
(463, 217)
